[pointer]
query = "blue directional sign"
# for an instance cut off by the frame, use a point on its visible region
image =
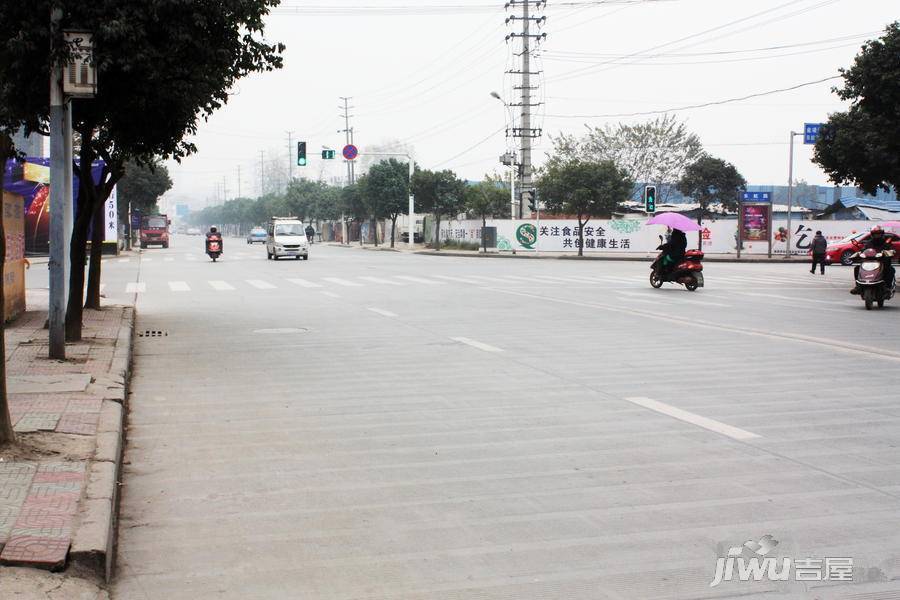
(811, 132)
(757, 196)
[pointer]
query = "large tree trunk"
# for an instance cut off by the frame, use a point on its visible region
(437, 231)
(580, 236)
(97, 235)
(375, 227)
(393, 229)
(78, 246)
(7, 435)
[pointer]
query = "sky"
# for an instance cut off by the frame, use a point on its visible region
(420, 73)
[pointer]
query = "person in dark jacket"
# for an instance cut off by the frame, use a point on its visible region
(819, 248)
(310, 233)
(674, 250)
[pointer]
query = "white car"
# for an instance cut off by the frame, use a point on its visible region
(193, 231)
(286, 237)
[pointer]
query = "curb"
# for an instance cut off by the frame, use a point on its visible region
(771, 261)
(94, 541)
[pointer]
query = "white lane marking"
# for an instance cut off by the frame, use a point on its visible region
(331, 294)
(304, 283)
(700, 302)
(148, 260)
(794, 298)
(839, 345)
(419, 280)
(518, 278)
(136, 288)
(476, 344)
(221, 286)
(179, 286)
(694, 419)
(552, 279)
(457, 279)
(343, 282)
(644, 300)
(260, 284)
(124, 260)
(168, 260)
(380, 280)
(383, 313)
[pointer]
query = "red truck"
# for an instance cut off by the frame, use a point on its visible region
(155, 231)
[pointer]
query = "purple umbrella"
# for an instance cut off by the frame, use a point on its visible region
(675, 221)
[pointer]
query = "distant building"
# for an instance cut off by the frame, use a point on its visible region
(861, 209)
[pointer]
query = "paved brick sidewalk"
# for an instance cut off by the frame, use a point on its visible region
(64, 413)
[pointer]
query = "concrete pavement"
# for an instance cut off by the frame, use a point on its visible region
(386, 425)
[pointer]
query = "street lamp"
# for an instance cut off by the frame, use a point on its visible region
(512, 162)
(787, 251)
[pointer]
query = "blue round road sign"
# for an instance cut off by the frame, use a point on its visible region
(350, 152)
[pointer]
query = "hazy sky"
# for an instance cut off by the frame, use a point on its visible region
(421, 72)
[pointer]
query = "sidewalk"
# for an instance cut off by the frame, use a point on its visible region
(619, 256)
(58, 484)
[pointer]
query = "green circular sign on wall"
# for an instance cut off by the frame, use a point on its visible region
(527, 235)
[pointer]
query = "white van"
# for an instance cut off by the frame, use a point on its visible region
(286, 236)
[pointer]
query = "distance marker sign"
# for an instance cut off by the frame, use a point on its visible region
(350, 152)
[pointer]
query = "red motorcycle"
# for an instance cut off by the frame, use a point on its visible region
(688, 272)
(214, 246)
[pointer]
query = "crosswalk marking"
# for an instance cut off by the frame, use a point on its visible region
(457, 279)
(304, 283)
(331, 294)
(380, 280)
(475, 344)
(148, 260)
(343, 282)
(221, 286)
(383, 313)
(260, 284)
(124, 260)
(419, 280)
(136, 288)
(169, 260)
(179, 286)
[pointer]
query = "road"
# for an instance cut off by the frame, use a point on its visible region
(385, 425)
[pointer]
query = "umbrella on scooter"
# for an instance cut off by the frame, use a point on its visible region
(675, 221)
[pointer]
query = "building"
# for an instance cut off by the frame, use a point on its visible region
(861, 209)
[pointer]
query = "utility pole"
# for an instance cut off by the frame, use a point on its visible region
(348, 136)
(239, 182)
(60, 137)
(291, 158)
(526, 133)
(262, 170)
(224, 189)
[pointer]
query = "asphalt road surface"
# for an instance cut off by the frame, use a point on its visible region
(382, 425)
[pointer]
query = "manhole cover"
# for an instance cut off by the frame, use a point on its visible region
(153, 333)
(282, 331)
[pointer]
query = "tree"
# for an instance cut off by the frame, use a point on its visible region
(142, 186)
(7, 435)
(441, 193)
(485, 199)
(862, 145)
(584, 188)
(149, 99)
(656, 152)
(712, 180)
(353, 206)
(386, 190)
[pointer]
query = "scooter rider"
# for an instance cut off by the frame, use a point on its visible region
(673, 251)
(877, 241)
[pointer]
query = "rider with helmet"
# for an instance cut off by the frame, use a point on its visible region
(879, 242)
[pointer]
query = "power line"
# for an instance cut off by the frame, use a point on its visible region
(694, 106)
(470, 148)
(428, 10)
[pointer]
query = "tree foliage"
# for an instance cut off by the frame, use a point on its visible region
(487, 198)
(584, 188)
(712, 180)
(440, 193)
(655, 152)
(385, 190)
(862, 145)
(142, 186)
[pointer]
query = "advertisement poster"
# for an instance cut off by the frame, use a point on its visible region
(30, 179)
(755, 221)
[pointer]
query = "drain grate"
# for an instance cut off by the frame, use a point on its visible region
(153, 333)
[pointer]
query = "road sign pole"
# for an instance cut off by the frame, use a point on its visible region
(787, 252)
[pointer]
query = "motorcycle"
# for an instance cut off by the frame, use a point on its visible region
(688, 272)
(873, 289)
(214, 246)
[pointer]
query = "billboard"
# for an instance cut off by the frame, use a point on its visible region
(30, 180)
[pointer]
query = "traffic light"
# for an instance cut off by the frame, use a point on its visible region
(650, 199)
(301, 154)
(327, 154)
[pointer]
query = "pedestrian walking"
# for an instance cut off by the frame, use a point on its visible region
(819, 248)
